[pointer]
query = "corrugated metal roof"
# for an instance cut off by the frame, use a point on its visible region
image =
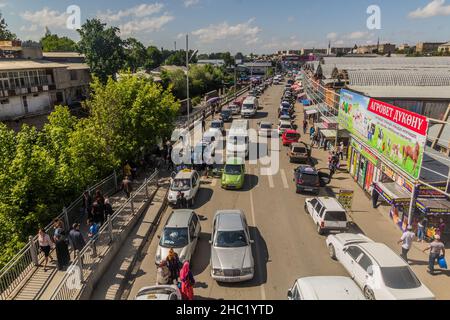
(398, 78)
(404, 92)
(17, 64)
(404, 62)
(444, 140)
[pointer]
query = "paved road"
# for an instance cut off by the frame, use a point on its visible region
(287, 245)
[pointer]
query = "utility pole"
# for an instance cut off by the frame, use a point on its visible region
(175, 45)
(187, 74)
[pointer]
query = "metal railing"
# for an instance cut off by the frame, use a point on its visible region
(87, 260)
(18, 268)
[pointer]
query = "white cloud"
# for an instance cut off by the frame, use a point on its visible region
(148, 24)
(31, 28)
(181, 36)
(434, 8)
(223, 31)
(139, 11)
(358, 35)
(3, 4)
(46, 17)
(332, 36)
(339, 43)
(190, 3)
(291, 19)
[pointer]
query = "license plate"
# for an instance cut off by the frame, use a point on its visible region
(308, 189)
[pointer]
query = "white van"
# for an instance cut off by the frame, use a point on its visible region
(325, 288)
(249, 107)
(327, 213)
(238, 139)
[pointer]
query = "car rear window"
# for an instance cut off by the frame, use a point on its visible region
(310, 179)
(336, 216)
(291, 135)
(399, 278)
(299, 150)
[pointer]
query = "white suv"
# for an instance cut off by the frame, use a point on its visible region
(327, 213)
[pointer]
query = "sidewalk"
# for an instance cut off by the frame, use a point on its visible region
(377, 225)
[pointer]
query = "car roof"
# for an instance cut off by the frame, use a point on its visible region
(298, 145)
(331, 203)
(265, 122)
(235, 161)
(250, 99)
(229, 220)
(330, 288)
(290, 131)
(383, 255)
(185, 174)
(349, 238)
(285, 122)
(180, 218)
(308, 169)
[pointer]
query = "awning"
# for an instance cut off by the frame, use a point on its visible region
(306, 102)
(433, 206)
(321, 126)
(312, 111)
(393, 193)
(329, 133)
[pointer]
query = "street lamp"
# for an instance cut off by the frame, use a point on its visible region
(188, 59)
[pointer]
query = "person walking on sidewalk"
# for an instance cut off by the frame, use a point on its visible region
(436, 247)
(174, 264)
(45, 244)
(312, 130)
(406, 241)
(87, 204)
(76, 239)
(62, 252)
(421, 230)
(305, 126)
(108, 209)
(441, 228)
(127, 169)
(187, 282)
(341, 150)
(126, 187)
(163, 274)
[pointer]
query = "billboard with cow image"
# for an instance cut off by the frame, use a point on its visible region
(398, 134)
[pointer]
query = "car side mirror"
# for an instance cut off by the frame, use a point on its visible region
(370, 271)
(290, 294)
(252, 241)
(210, 242)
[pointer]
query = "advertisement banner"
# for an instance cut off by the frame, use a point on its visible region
(345, 198)
(398, 134)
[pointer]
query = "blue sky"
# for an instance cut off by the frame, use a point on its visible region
(259, 26)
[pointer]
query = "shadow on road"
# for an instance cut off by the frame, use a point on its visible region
(202, 255)
(251, 181)
(203, 197)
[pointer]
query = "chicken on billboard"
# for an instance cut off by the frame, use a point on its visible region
(398, 134)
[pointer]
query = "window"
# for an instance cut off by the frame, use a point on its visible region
(365, 262)
(400, 278)
(321, 212)
(295, 293)
(338, 216)
(73, 75)
(4, 101)
(195, 219)
(313, 202)
(354, 252)
(319, 207)
(192, 230)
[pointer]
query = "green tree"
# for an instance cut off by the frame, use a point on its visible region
(154, 58)
(52, 42)
(5, 34)
(178, 58)
(102, 47)
(136, 54)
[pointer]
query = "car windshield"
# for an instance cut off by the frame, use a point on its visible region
(181, 185)
(233, 169)
(266, 126)
(299, 150)
(231, 239)
(226, 112)
(400, 278)
(338, 216)
(285, 126)
(216, 125)
(310, 179)
(174, 238)
(247, 107)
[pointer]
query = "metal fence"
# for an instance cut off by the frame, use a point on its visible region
(18, 268)
(79, 272)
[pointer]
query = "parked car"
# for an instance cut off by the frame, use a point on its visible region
(308, 179)
(327, 213)
(231, 247)
(289, 137)
(283, 126)
(265, 129)
(180, 233)
(378, 271)
(233, 176)
(299, 152)
(226, 115)
(164, 292)
(325, 288)
(186, 181)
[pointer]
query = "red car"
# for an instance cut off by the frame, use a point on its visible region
(239, 101)
(289, 137)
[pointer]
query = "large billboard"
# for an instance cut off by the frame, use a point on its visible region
(398, 134)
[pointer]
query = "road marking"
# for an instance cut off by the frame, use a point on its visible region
(271, 184)
(283, 177)
(252, 206)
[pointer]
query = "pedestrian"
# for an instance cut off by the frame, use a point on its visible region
(341, 150)
(127, 169)
(133, 170)
(59, 230)
(187, 282)
(62, 253)
(76, 239)
(93, 230)
(163, 274)
(203, 124)
(406, 241)
(126, 187)
(181, 200)
(312, 130)
(87, 204)
(305, 126)
(108, 209)
(173, 263)
(45, 244)
(98, 212)
(436, 247)
(441, 228)
(421, 230)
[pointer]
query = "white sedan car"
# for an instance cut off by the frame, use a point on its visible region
(379, 271)
(164, 292)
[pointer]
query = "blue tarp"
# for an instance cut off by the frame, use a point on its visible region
(306, 102)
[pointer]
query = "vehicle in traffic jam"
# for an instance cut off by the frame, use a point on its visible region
(231, 247)
(233, 177)
(327, 214)
(218, 125)
(299, 153)
(186, 182)
(325, 288)
(309, 179)
(283, 126)
(226, 115)
(265, 129)
(159, 292)
(235, 108)
(289, 137)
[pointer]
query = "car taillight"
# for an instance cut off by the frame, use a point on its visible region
(299, 181)
(322, 224)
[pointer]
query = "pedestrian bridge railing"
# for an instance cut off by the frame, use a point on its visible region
(79, 273)
(19, 268)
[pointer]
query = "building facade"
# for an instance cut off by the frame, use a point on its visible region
(428, 47)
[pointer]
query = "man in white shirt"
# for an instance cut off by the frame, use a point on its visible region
(406, 240)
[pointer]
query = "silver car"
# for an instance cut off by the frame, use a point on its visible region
(231, 248)
(180, 233)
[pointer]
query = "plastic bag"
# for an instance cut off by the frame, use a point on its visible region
(442, 262)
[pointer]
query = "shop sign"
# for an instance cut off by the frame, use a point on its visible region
(399, 135)
(366, 153)
(427, 192)
(396, 178)
(345, 198)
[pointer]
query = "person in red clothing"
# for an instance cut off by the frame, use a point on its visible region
(187, 282)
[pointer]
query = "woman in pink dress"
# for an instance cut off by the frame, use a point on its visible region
(187, 282)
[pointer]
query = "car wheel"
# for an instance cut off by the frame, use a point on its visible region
(368, 294)
(320, 231)
(332, 252)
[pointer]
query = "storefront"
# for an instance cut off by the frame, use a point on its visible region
(363, 165)
(435, 211)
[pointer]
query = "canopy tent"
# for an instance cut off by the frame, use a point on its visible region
(433, 206)
(393, 193)
(306, 102)
(311, 111)
(213, 100)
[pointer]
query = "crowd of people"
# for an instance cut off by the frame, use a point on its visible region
(171, 271)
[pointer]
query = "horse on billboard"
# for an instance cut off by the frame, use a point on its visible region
(412, 153)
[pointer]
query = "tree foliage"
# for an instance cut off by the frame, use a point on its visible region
(5, 33)
(52, 42)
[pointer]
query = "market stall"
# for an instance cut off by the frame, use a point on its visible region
(433, 210)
